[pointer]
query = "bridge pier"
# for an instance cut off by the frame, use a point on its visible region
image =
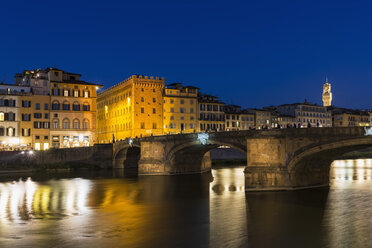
(267, 166)
(273, 179)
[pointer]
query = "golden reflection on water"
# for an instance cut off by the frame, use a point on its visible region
(356, 170)
(22, 200)
(348, 213)
(227, 207)
(185, 211)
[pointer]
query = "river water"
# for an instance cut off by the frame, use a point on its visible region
(106, 209)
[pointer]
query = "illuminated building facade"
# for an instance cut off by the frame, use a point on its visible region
(307, 114)
(73, 110)
(262, 118)
(132, 108)
(211, 116)
(35, 122)
(232, 117)
(285, 121)
(10, 115)
(60, 112)
(247, 120)
(342, 117)
(180, 109)
(327, 94)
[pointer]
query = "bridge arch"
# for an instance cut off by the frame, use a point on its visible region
(311, 165)
(193, 157)
(127, 157)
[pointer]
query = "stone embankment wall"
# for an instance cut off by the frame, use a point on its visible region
(99, 155)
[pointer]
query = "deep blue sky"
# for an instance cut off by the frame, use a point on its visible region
(252, 53)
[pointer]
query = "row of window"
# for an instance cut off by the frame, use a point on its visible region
(314, 115)
(182, 110)
(313, 109)
(66, 106)
(181, 118)
(237, 117)
(143, 110)
(143, 100)
(182, 101)
(123, 97)
(41, 124)
(7, 103)
(26, 132)
(154, 125)
(213, 126)
(72, 93)
(27, 117)
(211, 117)
(119, 127)
(75, 124)
(27, 104)
(315, 121)
(7, 116)
(10, 131)
(183, 126)
(210, 107)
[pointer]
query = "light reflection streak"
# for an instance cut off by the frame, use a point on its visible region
(27, 199)
(225, 204)
(351, 171)
(348, 205)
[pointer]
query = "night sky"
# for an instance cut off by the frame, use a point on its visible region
(251, 53)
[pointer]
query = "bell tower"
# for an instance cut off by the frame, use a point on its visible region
(327, 94)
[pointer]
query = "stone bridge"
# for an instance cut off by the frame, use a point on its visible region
(277, 159)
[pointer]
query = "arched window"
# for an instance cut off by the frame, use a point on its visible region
(66, 105)
(55, 105)
(76, 106)
(1, 131)
(86, 107)
(55, 123)
(76, 124)
(85, 124)
(2, 116)
(66, 123)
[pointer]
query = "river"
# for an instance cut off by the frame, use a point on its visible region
(107, 209)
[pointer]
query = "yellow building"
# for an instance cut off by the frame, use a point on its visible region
(246, 120)
(10, 116)
(180, 107)
(60, 113)
(73, 110)
(132, 108)
(35, 121)
(211, 116)
(350, 118)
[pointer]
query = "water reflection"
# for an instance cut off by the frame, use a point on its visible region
(349, 213)
(227, 208)
(351, 170)
(23, 200)
(185, 211)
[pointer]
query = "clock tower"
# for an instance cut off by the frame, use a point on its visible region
(327, 94)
